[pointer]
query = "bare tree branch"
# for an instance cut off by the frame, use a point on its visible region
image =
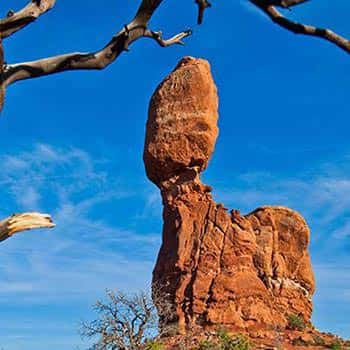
(202, 6)
(97, 60)
(299, 28)
(23, 222)
(79, 61)
(17, 20)
(135, 30)
(124, 322)
(128, 322)
(146, 11)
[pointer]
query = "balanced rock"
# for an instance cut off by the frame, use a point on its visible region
(215, 268)
(182, 123)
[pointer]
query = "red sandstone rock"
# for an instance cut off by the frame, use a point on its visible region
(245, 272)
(182, 124)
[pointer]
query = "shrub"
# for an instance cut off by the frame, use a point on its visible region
(296, 323)
(319, 341)
(242, 343)
(227, 342)
(154, 345)
(128, 322)
(300, 342)
(122, 322)
(337, 345)
(208, 345)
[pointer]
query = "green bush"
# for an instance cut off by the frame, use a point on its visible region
(154, 345)
(300, 342)
(296, 323)
(337, 345)
(227, 342)
(242, 343)
(224, 341)
(319, 341)
(208, 345)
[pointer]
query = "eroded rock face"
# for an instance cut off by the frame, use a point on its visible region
(182, 123)
(215, 267)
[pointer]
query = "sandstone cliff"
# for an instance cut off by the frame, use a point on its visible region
(218, 268)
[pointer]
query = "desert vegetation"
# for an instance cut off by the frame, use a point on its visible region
(296, 322)
(123, 322)
(130, 322)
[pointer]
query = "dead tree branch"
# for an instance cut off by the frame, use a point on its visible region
(269, 7)
(136, 29)
(129, 322)
(202, 6)
(17, 20)
(87, 61)
(124, 322)
(23, 222)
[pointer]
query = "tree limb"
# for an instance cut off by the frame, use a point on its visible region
(135, 30)
(97, 60)
(202, 6)
(17, 20)
(146, 11)
(299, 28)
(23, 222)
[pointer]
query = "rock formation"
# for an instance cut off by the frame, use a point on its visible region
(214, 267)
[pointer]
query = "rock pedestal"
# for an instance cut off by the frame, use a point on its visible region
(217, 268)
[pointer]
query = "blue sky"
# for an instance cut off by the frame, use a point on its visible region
(72, 144)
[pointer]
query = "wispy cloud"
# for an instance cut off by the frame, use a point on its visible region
(88, 251)
(44, 168)
(321, 195)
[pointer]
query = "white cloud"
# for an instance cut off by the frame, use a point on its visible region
(85, 253)
(152, 205)
(323, 198)
(29, 198)
(43, 168)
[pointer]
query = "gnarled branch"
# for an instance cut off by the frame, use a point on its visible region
(17, 20)
(135, 30)
(79, 61)
(146, 11)
(23, 222)
(269, 7)
(202, 6)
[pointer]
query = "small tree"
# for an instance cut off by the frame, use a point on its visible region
(296, 322)
(125, 322)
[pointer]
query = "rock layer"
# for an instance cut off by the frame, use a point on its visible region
(214, 267)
